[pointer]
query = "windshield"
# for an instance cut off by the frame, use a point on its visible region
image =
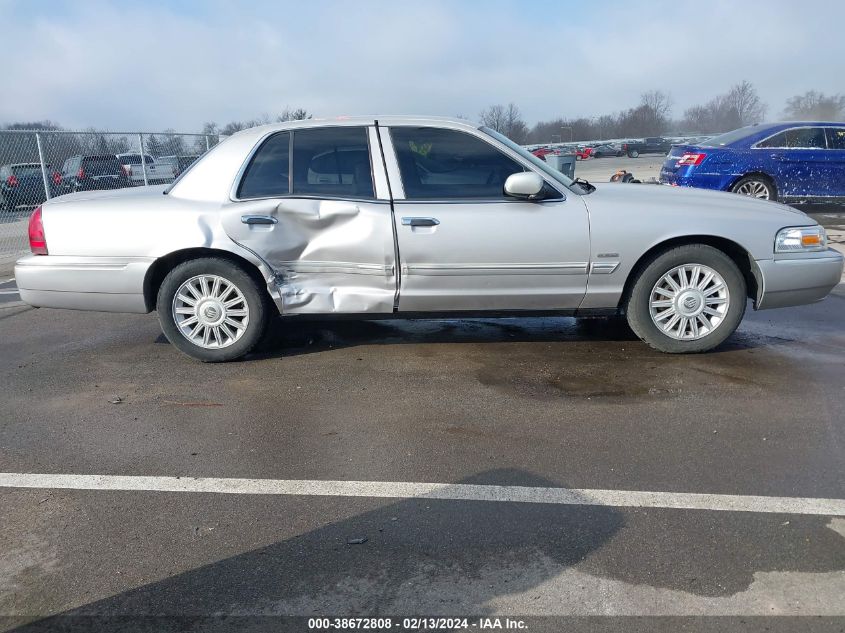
(537, 162)
(731, 137)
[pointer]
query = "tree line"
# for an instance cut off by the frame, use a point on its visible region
(739, 106)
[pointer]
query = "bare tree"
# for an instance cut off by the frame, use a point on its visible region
(659, 102)
(506, 120)
(739, 106)
(494, 118)
(297, 114)
(744, 100)
(815, 105)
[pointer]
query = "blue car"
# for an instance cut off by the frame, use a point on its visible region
(790, 162)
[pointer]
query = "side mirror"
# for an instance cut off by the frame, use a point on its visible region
(525, 184)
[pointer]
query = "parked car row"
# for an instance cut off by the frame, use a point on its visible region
(22, 184)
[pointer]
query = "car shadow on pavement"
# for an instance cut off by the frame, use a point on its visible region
(305, 336)
(419, 556)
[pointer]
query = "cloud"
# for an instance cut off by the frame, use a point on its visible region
(152, 65)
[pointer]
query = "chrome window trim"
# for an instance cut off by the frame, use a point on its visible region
(797, 127)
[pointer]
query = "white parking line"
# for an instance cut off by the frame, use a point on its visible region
(411, 490)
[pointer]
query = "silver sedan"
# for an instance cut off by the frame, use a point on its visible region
(401, 217)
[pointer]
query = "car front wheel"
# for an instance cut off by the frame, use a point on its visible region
(212, 309)
(687, 299)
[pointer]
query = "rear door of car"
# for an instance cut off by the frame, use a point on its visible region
(464, 245)
(314, 204)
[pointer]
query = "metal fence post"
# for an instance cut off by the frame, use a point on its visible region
(143, 159)
(206, 143)
(43, 166)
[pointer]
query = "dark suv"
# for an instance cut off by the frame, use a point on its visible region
(22, 185)
(86, 173)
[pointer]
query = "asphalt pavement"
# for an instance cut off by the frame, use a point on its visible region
(522, 468)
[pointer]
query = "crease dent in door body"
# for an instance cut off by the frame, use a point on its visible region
(332, 252)
(329, 256)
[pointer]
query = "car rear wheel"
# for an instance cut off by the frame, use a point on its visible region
(633, 154)
(212, 309)
(687, 299)
(756, 187)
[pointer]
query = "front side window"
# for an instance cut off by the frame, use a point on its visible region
(268, 173)
(332, 162)
(836, 138)
(441, 164)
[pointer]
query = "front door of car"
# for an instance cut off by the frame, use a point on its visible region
(836, 152)
(308, 206)
(464, 245)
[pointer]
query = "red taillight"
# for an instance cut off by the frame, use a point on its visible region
(57, 178)
(691, 159)
(37, 240)
(624, 147)
(127, 170)
(12, 181)
(80, 175)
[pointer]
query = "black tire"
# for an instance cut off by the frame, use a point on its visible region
(756, 180)
(638, 311)
(633, 154)
(256, 298)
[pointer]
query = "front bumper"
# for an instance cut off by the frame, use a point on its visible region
(105, 284)
(799, 279)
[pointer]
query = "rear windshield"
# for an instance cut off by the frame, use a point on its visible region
(101, 165)
(731, 137)
(23, 171)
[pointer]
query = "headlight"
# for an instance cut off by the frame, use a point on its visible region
(801, 240)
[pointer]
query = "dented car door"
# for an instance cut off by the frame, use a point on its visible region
(314, 205)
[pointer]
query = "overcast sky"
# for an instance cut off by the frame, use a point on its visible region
(155, 64)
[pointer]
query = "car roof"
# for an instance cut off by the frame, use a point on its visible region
(386, 120)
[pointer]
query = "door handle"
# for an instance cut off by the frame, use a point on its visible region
(420, 221)
(778, 157)
(258, 219)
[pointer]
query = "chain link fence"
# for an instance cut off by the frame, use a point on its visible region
(36, 165)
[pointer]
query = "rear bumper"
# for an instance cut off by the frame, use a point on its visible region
(792, 282)
(105, 284)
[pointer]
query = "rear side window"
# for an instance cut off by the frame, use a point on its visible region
(268, 173)
(440, 164)
(836, 138)
(332, 162)
(801, 138)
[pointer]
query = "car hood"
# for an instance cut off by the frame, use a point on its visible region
(111, 194)
(690, 200)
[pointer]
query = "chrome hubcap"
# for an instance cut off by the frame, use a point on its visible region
(210, 311)
(689, 302)
(755, 189)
